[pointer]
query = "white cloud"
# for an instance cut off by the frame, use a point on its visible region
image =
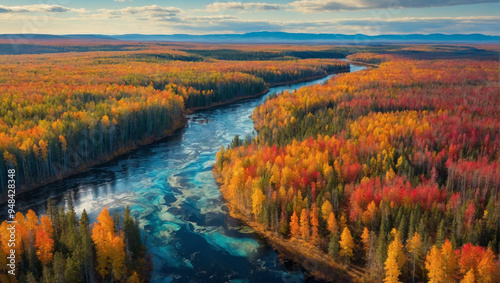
(218, 6)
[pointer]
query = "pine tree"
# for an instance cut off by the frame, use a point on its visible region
(132, 234)
(334, 246)
(87, 246)
(440, 234)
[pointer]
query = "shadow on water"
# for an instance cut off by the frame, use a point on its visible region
(171, 190)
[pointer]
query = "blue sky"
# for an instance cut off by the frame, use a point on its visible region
(208, 16)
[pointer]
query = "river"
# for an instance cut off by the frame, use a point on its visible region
(171, 190)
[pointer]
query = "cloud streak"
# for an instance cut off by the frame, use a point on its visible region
(219, 6)
(369, 26)
(153, 12)
(41, 8)
(318, 6)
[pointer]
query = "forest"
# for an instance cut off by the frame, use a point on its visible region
(62, 113)
(391, 172)
(60, 247)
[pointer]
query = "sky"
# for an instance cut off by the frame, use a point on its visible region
(371, 17)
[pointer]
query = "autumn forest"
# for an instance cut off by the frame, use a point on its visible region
(386, 174)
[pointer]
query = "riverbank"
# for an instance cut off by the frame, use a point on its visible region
(316, 262)
(237, 99)
(362, 64)
(103, 160)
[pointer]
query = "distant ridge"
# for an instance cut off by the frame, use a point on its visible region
(275, 37)
(55, 37)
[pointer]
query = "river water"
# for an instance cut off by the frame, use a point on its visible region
(171, 190)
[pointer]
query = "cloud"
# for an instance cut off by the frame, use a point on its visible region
(218, 6)
(144, 13)
(316, 6)
(41, 8)
(153, 9)
(211, 18)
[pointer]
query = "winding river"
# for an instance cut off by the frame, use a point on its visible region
(171, 191)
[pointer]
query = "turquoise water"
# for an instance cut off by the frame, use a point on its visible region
(171, 190)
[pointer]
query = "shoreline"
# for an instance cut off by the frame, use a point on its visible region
(240, 98)
(362, 63)
(104, 160)
(315, 262)
(167, 134)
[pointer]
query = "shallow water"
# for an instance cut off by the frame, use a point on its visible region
(171, 190)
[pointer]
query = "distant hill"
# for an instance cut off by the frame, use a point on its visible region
(283, 37)
(275, 37)
(55, 37)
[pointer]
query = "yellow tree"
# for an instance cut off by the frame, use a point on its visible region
(294, 225)
(117, 256)
(398, 247)
(414, 247)
(332, 223)
(469, 277)
(434, 265)
(326, 209)
(304, 224)
(395, 259)
(257, 199)
(314, 225)
(31, 223)
(488, 268)
(450, 263)
(391, 265)
(109, 247)
(134, 278)
(365, 239)
(346, 244)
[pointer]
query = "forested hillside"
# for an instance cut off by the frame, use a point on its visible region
(393, 172)
(61, 113)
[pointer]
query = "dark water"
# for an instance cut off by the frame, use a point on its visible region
(171, 191)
